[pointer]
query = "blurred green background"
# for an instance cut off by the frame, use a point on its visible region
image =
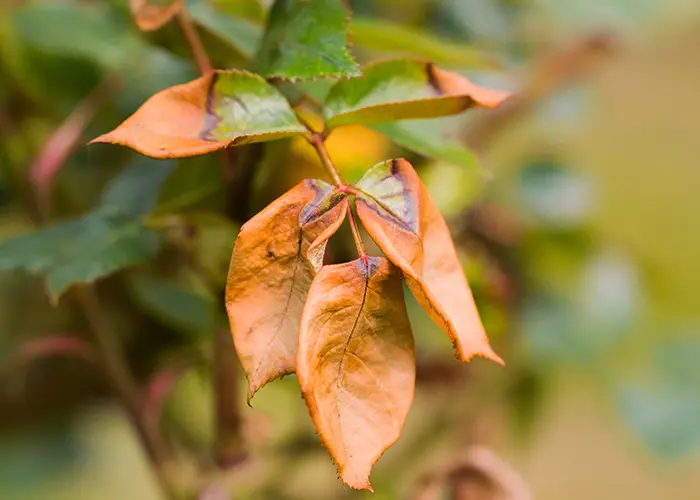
(579, 233)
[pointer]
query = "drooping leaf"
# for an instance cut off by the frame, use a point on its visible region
(150, 15)
(274, 260)
(403, 89)
(306, 39)
(110, 238)
(356, 363)
(428, 138)
(224, 108)
(386, 37)
(399, 215)
(241, 34)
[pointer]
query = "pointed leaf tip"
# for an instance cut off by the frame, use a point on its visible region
(403, 89)
(398, 213)
(223, 108)
(270, 274)
(354, 321)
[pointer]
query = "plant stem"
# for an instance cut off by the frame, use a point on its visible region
(124, 384)
(356, 235)
(195, 42)
(228, 441)
(317, 142)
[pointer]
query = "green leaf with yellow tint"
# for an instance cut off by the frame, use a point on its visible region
(403, 89)
(430, 139)
(151, 15)
(356, 363)
(389, 38)
(224, 108)
(306, 39)
(397, 212)
(275, 258)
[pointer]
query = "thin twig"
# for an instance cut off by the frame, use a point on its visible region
(124, 384)
(317, 142)
(195, 42)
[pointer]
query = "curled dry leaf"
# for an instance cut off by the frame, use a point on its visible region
(396, 209)
(223, 108)
(356, 363)
(150, 15)
(401, 90)
(276, 256)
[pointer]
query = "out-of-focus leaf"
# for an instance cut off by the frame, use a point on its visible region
(254, 10)
(67, 28)
(214, 239)
(403, 89)
(215, 111)
(354, 322)
(583, 327)
(662, 405)
(553, 194)
(399, 215)
(387, 37)
(194, 185)
(429, 138)
(54, 345)
(274, 260)
(174, 304)
(80, 251)
(135, 190)
(108, 239)
(242, 35)
(150, 15)
(306, 39)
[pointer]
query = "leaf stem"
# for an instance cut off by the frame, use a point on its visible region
(195, 42)
(319, 145)
(356, 235)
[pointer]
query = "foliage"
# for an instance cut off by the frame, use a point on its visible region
(311, 283)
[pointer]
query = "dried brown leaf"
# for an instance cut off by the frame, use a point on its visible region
(270, 274)
(399, 215)
(356, 363)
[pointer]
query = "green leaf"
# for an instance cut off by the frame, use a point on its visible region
(403, 89)
(174, 304)
(215, 111)
(242, 35)
(306, 39)
(80, 251)
(386, 37)
(76, 30)
(108, 239)
(429, 138)
(135, 190)
(254, 10)
(662, 405)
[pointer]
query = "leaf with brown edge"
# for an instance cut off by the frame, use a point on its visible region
(223, 108)
(270, 274)
(356, 362)
(397, 212)
(150, 15)
(403, 89)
